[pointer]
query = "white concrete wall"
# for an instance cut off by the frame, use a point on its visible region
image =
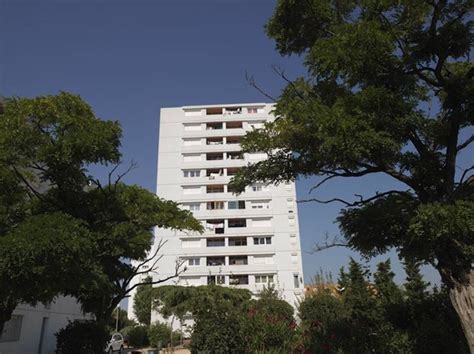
(58, 314)
(285, 248)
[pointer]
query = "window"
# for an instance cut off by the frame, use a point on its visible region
(192, 206)
(237, 155)
(252, 110)
(192, 142)
(193, 262)
(259, 204)
(216, 225)
(237, 241)
(238, 260)
(191, 243)
(263, 259)
(236, 204)
(192, 190)
(218, 188)
(233, 125)
(213, 156)
(259, 187)
(294, 258)
(264, 279)
(213, 111)
(262, 240)
(215, 242)
(215, 261)
(213, 126)
(191, 157)
(262, 222)
(12, 329)
(215, 205)
(237, 222)
(296, 280)
(215, 279)
(238, 279)
(192, 126)
(191, 173)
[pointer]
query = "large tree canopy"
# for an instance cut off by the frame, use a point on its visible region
(62, 230)
(390, 90)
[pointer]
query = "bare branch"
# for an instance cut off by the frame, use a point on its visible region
(251, 81)
(112, 172)
(336, 241)
(324, 201)
(465, 143)
(324, 180)
(361, 200)
(466, 171)
(133, 165)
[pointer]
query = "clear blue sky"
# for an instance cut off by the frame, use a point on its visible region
(129, 58)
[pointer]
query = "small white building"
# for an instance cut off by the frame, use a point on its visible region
(32, 329)
(251, 240)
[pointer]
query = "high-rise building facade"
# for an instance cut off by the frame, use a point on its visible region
(250, 240)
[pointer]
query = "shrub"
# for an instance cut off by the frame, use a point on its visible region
(82, 337)
(138, 336)
(160, 332)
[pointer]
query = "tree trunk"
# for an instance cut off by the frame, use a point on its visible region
(7, 307)
(462, 298)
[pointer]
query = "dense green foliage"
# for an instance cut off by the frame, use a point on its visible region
(389, 91)
(142, 302)
(160, 335)
(137, 336)
(380, 317)
(226, 320)
(57, 222)
(82, 337)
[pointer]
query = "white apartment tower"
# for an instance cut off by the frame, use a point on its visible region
(250, 240)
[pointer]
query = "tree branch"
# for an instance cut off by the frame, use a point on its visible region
(335, 242)
(251, 81)
(361, 200)
(465, 143)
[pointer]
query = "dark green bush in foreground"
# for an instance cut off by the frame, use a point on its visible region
(82, 337)
(137, 336)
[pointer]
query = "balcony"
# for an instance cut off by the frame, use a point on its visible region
(215, 261)
(238, 279)
(214, 141)
(214, 126)
(213, 156)
(238, 260)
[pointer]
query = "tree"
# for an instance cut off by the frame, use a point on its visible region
(142, 302)
(218, 313)
(57, 222)
(271, 323)
(390, 92)
(387, 290)
(415, 286)
(379, 317)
